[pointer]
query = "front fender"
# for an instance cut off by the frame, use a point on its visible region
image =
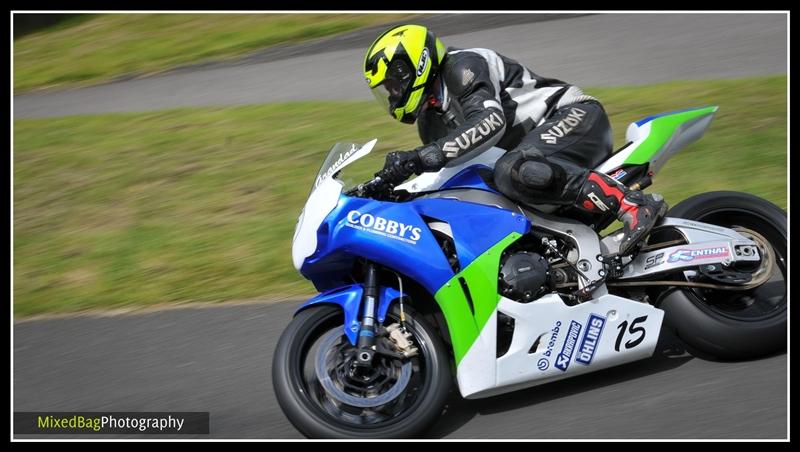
(349, 298)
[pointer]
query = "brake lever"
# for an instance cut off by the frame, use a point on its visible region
(367, 188)
(375, 186)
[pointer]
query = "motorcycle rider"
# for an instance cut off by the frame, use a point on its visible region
(466, 101)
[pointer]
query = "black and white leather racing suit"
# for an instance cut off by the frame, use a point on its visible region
(487, 100)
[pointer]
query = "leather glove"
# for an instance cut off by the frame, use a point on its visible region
(399, 166)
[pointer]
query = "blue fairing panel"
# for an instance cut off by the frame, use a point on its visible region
(469, 177)
(397, 236)
(387, 296)
(390, 234)
(349, 298)
(475, 227)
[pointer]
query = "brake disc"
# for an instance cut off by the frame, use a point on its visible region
(323, 366)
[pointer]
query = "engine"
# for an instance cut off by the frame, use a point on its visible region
(524, 275)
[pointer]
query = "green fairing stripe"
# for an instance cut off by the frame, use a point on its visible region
(661, 130)
(481, 278)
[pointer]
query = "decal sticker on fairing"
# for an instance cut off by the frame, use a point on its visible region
(383, 227)
(588, 345)
(544, 363)
(618, 174)
(638, 332)
(563, 358)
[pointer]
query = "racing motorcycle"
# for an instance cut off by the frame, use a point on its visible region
(443, 280)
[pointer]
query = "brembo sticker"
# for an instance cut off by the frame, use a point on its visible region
(383, 227)
(544, 363)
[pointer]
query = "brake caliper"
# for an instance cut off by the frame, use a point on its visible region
(401, 339)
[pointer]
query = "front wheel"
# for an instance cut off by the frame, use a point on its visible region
(726, 323)
(325, 395)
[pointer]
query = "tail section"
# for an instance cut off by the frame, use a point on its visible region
(654, 139)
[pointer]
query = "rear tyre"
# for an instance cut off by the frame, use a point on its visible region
(734, 324)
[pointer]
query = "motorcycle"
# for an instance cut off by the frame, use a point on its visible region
(444, 280)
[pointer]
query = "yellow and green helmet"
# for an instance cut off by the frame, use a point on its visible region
(400, 66)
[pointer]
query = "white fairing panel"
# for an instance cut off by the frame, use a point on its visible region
(476, 371)
(570, 340)
(433, 181)
(321, 202)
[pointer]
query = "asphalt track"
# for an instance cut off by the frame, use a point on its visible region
(217, 359)
(594, 50)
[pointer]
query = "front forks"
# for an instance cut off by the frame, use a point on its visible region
(366, 336)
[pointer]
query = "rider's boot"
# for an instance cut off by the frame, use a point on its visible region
(638, 211)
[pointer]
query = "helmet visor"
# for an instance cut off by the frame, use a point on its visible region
(393, 92)
(381, 94)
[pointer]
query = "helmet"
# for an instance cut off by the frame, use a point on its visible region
(400, 66)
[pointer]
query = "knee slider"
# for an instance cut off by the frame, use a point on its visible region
(536, 174)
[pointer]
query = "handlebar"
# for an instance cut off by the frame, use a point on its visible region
(369, 188)
(375, 184)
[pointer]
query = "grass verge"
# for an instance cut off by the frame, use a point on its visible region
(200, 204)
(110, 45)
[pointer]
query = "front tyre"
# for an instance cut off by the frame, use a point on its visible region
(734, 324)
(325, 397)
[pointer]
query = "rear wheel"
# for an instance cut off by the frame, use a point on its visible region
(726, 323)
(325, 395)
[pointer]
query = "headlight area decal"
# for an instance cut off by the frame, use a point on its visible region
(381, 226)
